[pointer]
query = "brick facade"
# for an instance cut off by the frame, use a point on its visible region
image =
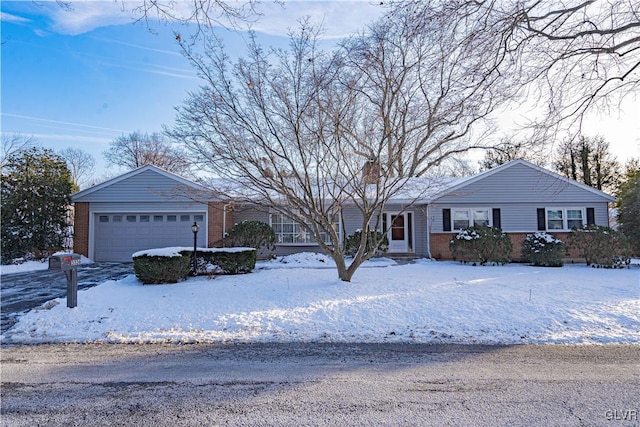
(216, 219)
(440, 245)
(81, 228)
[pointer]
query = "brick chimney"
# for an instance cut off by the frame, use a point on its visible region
(371, 171)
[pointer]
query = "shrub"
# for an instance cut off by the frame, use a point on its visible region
(481, 245)
(543, 249)
(154, 269)
(352, 243)
(252, 234)
(223, 260)
(601, 246)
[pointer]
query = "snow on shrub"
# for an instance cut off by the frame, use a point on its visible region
(543, 249)
(481, 244)
(171, 265)
(375, 240)
(601, 246)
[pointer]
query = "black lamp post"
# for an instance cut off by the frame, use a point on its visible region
(195, 228)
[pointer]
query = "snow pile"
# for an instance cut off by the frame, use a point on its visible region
(425, 302)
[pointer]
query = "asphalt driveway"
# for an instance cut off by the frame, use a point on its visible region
(21, 292)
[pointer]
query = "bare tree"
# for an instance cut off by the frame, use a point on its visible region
(580, 55)
(80, 164)
(139, 149)
(509, 149)
(589, 160)
(310, 134)
(13, 144)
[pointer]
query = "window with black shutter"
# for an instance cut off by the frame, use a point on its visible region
(541, 220)
(496, 218)
(446, 219)
(591, 216)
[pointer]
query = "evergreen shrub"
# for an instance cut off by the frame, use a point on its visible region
(482, 245)
(352, 243)
(601, 246)
(161, 269)
(543, 249)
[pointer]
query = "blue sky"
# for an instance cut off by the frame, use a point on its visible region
(82, 77)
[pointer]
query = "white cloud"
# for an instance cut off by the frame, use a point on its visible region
(82, 17)
(7, 17)
(340, 18)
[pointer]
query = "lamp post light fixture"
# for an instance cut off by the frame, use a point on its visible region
(195, 228)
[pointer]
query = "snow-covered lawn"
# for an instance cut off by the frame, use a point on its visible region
(425, 302)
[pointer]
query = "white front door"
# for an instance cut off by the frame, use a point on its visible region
(398, 233)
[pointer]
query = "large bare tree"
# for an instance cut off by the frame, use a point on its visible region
(580, 55)
(139, 149)
(80, 165)
(310, 133)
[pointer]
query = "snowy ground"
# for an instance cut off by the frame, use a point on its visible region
(299, 300)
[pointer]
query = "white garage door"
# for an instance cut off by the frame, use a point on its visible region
(118, 235)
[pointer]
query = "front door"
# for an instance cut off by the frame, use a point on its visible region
(398, 233)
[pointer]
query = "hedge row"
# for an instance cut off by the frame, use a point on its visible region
(599, 246)
(171, 265)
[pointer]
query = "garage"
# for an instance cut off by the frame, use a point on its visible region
(118, 235)
(142, 209)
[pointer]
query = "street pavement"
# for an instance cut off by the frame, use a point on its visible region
(320, 384)
(21, 292)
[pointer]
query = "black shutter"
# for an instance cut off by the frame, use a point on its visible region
(541, 224)
(446, 219)
(591, 216)
(496, 218)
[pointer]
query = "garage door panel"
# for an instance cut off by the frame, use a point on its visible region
(118, 235)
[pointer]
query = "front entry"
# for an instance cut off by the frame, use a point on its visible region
(400, 230)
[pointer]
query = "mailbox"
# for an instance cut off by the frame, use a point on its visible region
(68, 263)
(64, 262)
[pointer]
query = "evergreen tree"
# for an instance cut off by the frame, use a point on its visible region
(36, 188)
(629, 205)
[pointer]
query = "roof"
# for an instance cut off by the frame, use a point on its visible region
(475, 178)
(178, 179)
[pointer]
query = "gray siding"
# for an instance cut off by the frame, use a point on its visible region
(521, 184)
(173, 206)
(517, 217)
(147, 186)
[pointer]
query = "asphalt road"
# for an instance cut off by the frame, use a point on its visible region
(21, 292)
(320, 384)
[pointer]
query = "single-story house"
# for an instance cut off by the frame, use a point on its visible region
(149, 208)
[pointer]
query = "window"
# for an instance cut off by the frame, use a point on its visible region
(561, 218)
(289, 231)
(157, 218)
(574, 218)
(185, 218)
(131, 218)
(104, 218)
(144, 218)
(198, 218)
(463, 218)
(172, 218)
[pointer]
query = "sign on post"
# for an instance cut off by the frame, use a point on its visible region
(68, 263)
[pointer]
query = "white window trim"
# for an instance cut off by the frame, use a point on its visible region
(565, 217)
(470, 213)
(311, 243)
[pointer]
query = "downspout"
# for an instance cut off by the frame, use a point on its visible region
(428, 234)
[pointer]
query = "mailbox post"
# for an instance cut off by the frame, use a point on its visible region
(69, 264)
